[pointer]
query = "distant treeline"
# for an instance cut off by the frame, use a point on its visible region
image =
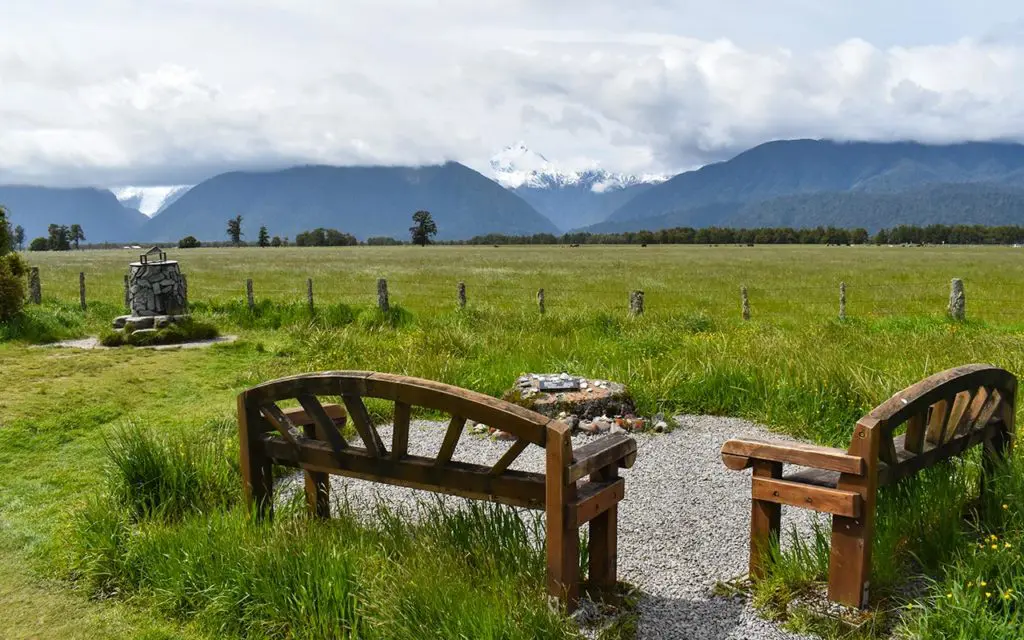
(903, 234)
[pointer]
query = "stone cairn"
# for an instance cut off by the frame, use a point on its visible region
(157, 293)
(589, 406)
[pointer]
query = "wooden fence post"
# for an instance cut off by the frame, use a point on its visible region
(540, 300)
(249, 296)
(127, 300)
(81, 289)
(842, 301)
(34, 288)
(462, 295)
(184, 287)
(745, 303)
(957, 300)
(636, 302)
(309, 294)
(382, 296)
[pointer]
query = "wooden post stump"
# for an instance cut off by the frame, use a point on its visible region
(462, 295)
(745, 303)
(35, 291)
(382, 296)
(842, 301)
(249, 295)
(957, 300)
(636, 303)
(127, 299)
(81, 289)
(309, 294)
(540, 300)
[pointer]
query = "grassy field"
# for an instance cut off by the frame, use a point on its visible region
(794, 366)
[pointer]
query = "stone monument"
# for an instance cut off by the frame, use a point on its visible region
(157, 292)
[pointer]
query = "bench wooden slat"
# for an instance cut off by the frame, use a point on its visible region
(282, 423)
(915, 432)
(324, 423)
(937, 421)
(509, 456)
(451, 439)
(594, 498)
(364, 426)
(400, 431)
(611, 449)
(300, 418)
(910, 463)
(516, 488)
(992, 403)
(816, 477)
(805, 455)
(958, 413)
(797, 494)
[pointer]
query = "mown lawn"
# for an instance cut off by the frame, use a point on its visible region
(794, 366)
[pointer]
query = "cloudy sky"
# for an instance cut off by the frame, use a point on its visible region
(151, 92)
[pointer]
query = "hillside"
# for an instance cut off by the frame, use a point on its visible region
(966, 203)
(795, 167)
(363, 201)
(102, 217)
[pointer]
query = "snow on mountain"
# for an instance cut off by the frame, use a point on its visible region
(518, 166)
(149, 200)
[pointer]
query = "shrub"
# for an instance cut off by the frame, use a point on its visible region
(12, 285)
(189, 242)
(39, 244)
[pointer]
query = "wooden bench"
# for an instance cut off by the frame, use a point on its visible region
(310, 438)
(944, 415)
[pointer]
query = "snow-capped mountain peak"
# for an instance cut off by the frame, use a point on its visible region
(149, 200)
(519, 166)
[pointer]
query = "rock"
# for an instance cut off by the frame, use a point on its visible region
(119, 321)
(661, 426)
(587, 426)
(563, 415)
(160, 322)
(637, 424)
(144, 332)
(139, 322)
(573, 422)
(603, 424)
(616, 429)
(503, 435)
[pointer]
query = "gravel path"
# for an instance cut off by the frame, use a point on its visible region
(683, 526)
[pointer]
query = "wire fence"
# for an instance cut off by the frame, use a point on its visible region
(993, 300)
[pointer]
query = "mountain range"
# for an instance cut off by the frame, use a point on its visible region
(796, 183)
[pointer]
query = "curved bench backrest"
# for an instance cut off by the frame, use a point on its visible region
(406, 392)
(948, 405)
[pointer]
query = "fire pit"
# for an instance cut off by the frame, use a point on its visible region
(157, 293)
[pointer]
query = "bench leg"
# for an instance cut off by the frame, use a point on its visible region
(603, 545)
(318, 487)
(257, 476)
(849, 568)
(765, 520)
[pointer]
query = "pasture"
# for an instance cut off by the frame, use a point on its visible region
(794, 366)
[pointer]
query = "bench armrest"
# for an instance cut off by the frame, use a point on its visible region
(618, 448)
(737, 455)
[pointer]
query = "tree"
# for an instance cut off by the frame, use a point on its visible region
(59, 237)
(39, 244)
(321, 237)
(19, 237)
(235, 230)
(264, 238)
(189, 242)
(7, 240)
(76, 234)
(276, 241)
(423, 228)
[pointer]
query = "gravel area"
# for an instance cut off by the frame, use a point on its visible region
(683, 525)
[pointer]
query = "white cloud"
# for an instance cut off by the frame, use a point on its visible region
(147, 92)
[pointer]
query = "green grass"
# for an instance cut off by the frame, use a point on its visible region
(188, 330)
(794, 366)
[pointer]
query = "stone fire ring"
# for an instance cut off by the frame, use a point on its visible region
(558, 394)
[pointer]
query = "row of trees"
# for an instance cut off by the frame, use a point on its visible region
(12, 269)
(422, 233)
(59, 238)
